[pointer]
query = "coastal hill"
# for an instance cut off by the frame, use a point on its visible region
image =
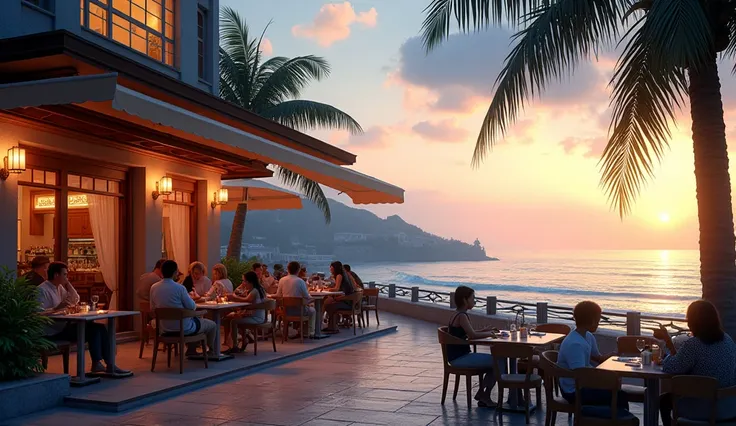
(355, 235)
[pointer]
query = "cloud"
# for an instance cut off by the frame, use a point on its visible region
(373, 137)
(333, 23)
(442, 131)
(266, 47)
(590, 147)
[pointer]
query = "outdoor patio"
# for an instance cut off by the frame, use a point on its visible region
(390, 379)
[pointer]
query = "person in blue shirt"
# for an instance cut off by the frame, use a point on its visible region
(579, 350)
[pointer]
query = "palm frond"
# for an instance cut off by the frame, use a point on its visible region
(471, 15)
(232, 83)
(286, 78)
(645, 100)
(306, 115)
(556, 38)
(309, 188)
(236, 42)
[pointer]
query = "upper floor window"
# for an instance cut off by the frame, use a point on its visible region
(201, 42)
(143, 25)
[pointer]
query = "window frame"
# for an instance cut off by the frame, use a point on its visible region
(202, 73)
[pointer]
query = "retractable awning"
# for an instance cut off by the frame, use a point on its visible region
(103, 94)
(259, 195)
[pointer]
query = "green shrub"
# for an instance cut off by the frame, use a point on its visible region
(236, 269)
(22, 328)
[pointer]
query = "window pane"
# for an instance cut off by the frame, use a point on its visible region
(122, 5)
(169, 54)
(101, 185)
(138, 43)
(170, 5)
(138, 13)
(140, 3)
(179, 196)
(153, 22)
(87, 183)
(113, 186)
(38, 176)
(121, 35)
(154, 8)
(187, 197)
(50, 178)
(81, 12)
(155, 46)
(26, 176)
(97, 19)
(169, 31)
(74, 181)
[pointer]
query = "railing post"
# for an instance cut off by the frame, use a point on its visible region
(372, 284)
(392, 291)
(542, 308)
(633, 323)
(415, 294)
(491, 305)
(452, 300)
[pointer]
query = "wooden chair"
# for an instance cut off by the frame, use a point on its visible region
(626, 346)
(355, 300)
(526, 381)
(176, 339)
(64, 348)
(545, 328)
(147, 330)
(284, 303)
(552, 374)
(270, 307)
(611, 415)
(370, 303)
(702, 388)
(445, 339)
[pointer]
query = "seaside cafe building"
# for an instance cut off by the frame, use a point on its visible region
(115, 144)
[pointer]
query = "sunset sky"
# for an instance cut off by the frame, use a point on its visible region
(421, 114)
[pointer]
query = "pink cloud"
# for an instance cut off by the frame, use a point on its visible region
(333, 23)
(441, 131)
(373, 137)
(266, 47)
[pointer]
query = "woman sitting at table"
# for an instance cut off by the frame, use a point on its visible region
(197, 282)
(221, 287)
(460, 356)
(710, 352)
(343, 283)
(254, 294)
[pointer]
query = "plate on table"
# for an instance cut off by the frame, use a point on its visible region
(629, 359)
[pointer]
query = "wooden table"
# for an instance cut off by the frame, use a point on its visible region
(652, 374)
(82, 378)
(217, 309)
(319, 297)
(536, 340)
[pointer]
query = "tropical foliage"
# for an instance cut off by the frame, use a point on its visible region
(669, 50)
(272, 88)
(237, 268)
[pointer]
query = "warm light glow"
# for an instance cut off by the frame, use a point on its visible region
(664, 217)
(664, 256)
(165, 186)
(48, 202)
(222, 196)
(16, 160)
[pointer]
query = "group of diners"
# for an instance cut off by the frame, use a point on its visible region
(162, 289)
(709, 351)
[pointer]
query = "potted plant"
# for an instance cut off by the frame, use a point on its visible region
(22, 338)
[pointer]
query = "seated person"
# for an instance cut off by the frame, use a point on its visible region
(293, 286)
(356, 279)
(221, 286)
(254, 294)
(57, 294)
(710, 352)
(460, 355)
(167, 293)
(343, 283)
(268, 282)
(148, 279)
(38, 273)
(303, 273)
(197, 282)
(578, 350)
(278, 272)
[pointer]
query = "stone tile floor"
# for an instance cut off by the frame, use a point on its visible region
(390, 380)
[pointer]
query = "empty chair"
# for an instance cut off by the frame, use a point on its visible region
(626, 346)
(370, 303)
(524, 381)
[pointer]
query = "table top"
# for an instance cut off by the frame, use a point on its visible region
(326, 293)
(220, 306)
(623, 370)
(93, 315)
(531, 340)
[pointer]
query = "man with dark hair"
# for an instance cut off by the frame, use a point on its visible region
(578, 350)
(356, 279)
(149, 279)
(293, 286)
(58, 293)
(168, 293)
(38, 273)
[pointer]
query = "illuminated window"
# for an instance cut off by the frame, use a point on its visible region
(201, 40)
(146, 26)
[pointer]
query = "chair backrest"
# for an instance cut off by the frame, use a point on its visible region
(503, 351)
(356, 300)
(554, 328)
(697, 387)
(371, 296)
(268, 305)
(173, 314)
(626, 345)
(595, 378)
(552, 372)
(445, 338)
(292, 302)
(145, 310)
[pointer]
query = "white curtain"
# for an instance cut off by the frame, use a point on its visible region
(103, 217)
(179, 223)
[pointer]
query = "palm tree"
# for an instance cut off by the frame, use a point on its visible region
(272, 89)
(669, 53)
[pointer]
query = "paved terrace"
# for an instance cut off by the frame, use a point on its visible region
(390, 379)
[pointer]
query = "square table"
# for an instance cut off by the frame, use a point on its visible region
(652, 374)
(536, 340)
(319, 297)
(217, 309)
(82, 378)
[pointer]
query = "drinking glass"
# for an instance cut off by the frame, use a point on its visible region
(94, 299)
(513, 328)
(640, 345)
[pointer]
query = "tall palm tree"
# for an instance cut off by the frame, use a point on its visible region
(272, 89)
(669, 54)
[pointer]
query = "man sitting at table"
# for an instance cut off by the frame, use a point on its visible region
(168, 293)
(577, 351)
(147, 280)
(57, 293)
(293, 286)
(39, 271)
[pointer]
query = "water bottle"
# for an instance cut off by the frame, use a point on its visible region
(646, 357)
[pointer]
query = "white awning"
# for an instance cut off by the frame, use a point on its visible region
(102, 93)
(259, 195)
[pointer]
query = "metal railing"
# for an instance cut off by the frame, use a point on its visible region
(631, 322)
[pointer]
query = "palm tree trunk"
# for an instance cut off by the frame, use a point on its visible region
(713, 185)
(236, 234)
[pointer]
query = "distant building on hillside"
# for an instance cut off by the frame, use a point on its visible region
(350, 237)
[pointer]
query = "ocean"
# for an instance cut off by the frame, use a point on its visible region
(648, 281)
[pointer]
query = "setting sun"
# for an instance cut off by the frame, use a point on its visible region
(664, 217)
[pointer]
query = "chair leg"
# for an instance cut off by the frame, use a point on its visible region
(181, 358)
(284, 331)
(377, 321)
(168, 355)
(204, 351)
(547, 416)
(355, 320)
(469, 390)
(65, 358)
(273, 338)
(444, 386)
(499, 404)
(255, 343)
(527, 398)
(367, 318)
(155, 354)
(539, 396)
(143, 343)
(457, 386)
(301, 332)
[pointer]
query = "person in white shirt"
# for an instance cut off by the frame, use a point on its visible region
(148, 279)
(221, 286)
(167, 293)
(196, 282)
(57, 294)
(268, 282)
(293, 286)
